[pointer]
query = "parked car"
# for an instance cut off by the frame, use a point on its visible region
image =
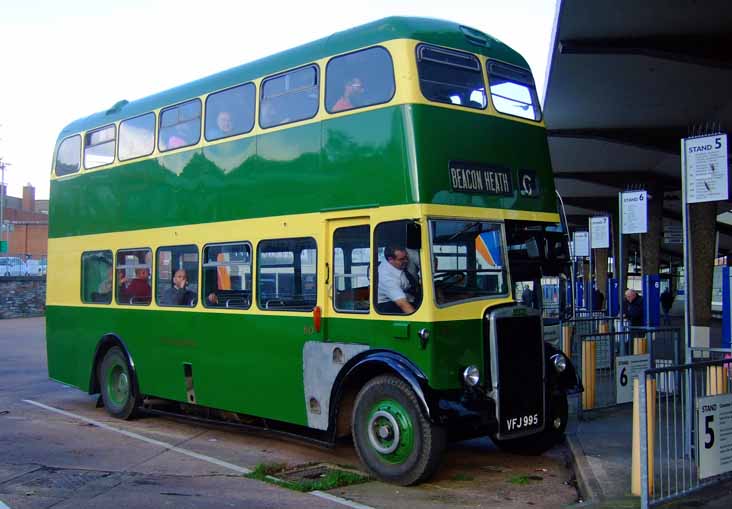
(35, 267)
(12, 266)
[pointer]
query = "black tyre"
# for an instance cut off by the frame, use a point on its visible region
(552, 435)
(117, 385)
(393, 438)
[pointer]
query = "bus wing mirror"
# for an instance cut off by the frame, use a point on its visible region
(413, 235)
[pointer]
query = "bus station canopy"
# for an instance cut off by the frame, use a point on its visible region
(626, 82)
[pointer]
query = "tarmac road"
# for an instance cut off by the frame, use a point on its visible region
(58, 450)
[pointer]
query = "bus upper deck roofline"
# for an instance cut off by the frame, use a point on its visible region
(439, 32)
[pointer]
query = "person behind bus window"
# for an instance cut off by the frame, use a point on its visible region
(352, 90)
(224, 126)
(137, 291)
(396, 287)
(178, 294)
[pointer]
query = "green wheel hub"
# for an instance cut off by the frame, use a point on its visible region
(118, 384)
(391, 431)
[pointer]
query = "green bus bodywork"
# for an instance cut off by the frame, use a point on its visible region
(251, 363)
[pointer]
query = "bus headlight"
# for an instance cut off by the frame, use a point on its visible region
(471, 376)
(560, 362)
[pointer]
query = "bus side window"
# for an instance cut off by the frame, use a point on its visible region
(289, 97)
(177, 276)
(286, 274)
(180, 125)
(68, 156)
(230, 112)
(351, 258)
(136, 137)
(99, 146)
(451, 77)
(398, 271)
(227, 275)
(359, 79)
(97, 273)
(133, 276)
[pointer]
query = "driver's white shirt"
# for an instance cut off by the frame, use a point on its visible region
(392, 283)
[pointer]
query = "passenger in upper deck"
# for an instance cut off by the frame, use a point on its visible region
(352, 89)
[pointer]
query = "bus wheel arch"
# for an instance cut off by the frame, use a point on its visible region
(113, 376)
(363, 368)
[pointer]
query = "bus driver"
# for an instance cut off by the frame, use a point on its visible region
(395, 283)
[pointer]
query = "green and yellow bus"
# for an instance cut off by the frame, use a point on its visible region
(325, 240)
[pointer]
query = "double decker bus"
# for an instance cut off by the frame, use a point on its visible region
(323, 239)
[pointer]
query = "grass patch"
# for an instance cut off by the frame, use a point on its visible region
(262, 470)
(524, 479)
(462, 477)
(332, 478)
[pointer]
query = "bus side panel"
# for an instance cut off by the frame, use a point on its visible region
(363, 158)
(242, 363)
(456, 345)
(64, 333)
(359, 155)
(452, 346)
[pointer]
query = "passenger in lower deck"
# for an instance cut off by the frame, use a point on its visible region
(179, 294)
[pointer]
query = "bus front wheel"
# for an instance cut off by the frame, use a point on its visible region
(395, 441)
(119, 390)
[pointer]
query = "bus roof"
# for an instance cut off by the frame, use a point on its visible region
(439, 32)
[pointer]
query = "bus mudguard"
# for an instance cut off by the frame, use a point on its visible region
(372, 363)
(105, 343)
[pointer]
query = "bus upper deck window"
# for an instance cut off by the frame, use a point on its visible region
(136, 137)
(68, 156)
(513, 91)
(289, 97)
(99, 147)
(451, 77)
(180, 125)
(359, 79)
(230, 112)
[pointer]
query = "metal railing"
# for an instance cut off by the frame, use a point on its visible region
(596, 354)
(666, 457)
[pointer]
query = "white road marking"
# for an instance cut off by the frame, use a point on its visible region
(340, 500)
(3, 506)
(203, 457)
(230, 466)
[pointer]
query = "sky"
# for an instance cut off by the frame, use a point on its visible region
(63, 60)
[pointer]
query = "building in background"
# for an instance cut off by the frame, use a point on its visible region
(26, 221)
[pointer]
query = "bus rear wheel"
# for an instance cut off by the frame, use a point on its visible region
(391, 435)
(119, 390)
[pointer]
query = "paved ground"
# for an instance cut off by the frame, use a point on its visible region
(83, 458)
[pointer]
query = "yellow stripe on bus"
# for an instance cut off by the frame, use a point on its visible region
(64, 254)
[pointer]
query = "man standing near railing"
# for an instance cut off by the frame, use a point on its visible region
(633, 308)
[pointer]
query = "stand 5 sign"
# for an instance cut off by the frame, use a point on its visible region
(714, 440)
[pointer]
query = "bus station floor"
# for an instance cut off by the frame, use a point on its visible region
(69, 453)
